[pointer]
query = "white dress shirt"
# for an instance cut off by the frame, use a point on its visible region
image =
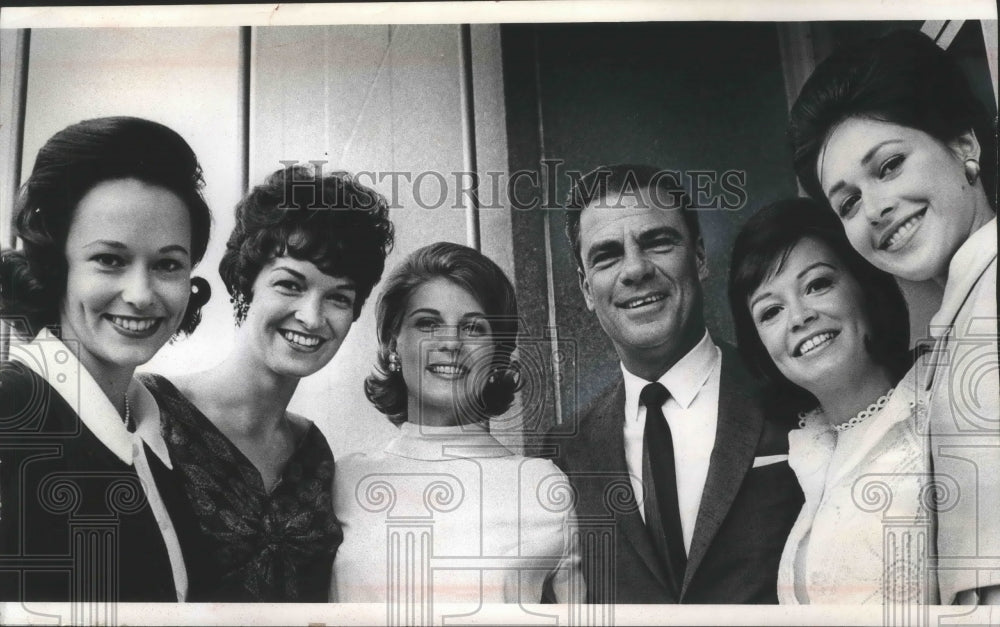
(692, 413)
(53, 360)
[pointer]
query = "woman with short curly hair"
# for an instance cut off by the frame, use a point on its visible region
(305, 254)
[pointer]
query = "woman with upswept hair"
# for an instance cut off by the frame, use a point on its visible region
(112, 223)
(889, 135)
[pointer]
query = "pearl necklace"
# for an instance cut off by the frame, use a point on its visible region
(128, 414)
(860, 417)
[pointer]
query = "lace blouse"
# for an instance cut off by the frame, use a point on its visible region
(250, 544)
(866, 529)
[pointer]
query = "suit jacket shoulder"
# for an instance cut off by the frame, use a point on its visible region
(591, 431)
(741, 386)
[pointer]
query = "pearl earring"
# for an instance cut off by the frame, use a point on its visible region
(971, 171)
(394, 364)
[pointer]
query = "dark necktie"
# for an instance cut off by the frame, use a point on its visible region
(660, 450)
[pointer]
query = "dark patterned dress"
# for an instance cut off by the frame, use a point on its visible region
(250, 544)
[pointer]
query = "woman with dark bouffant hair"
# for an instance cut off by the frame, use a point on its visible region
(890, 136)
(828, 332)
(447, 327)
(111, 223)
(305, 254)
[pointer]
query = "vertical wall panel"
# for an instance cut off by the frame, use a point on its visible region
(366, 99)
(13, 53)
(495, 219)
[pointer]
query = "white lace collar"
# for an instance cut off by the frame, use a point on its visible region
(810, 448)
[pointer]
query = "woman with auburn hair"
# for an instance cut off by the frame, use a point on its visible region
(891, 137)
(305, 254)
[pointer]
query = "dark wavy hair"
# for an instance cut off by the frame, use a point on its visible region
(903, 78)
(68, 166)
(603, 181)
(329, 220)
(487, 283)
(760, 250)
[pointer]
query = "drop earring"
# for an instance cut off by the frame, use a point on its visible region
(394, 363)
(240, 307)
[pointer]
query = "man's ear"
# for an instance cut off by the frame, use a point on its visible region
(585, 289)
(966, 146)
(701, 259)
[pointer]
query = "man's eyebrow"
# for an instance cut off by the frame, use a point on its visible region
(664, 231)
(603, 246)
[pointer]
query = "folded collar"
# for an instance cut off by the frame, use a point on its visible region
(50, 358)
(684, 380)
(967, 265)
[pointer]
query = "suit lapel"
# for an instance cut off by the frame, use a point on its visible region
(609, 435)
(738, 431)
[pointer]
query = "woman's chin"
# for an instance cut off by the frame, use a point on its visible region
(439, 403)
(129, 358)
(920, 261)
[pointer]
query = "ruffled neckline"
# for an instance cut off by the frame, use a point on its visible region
(810, 448)
(431, 443)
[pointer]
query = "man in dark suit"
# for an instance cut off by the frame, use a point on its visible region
(684, 493)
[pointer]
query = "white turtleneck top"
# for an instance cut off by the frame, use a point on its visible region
(449, 515)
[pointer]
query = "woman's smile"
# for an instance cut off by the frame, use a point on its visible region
(441, 349)
(901, 195)
(447, 370)
(132, 326)
(305, 342)
(899, 234)
(810, 318)
(299, 316)
(815, 343)
(129, 272)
